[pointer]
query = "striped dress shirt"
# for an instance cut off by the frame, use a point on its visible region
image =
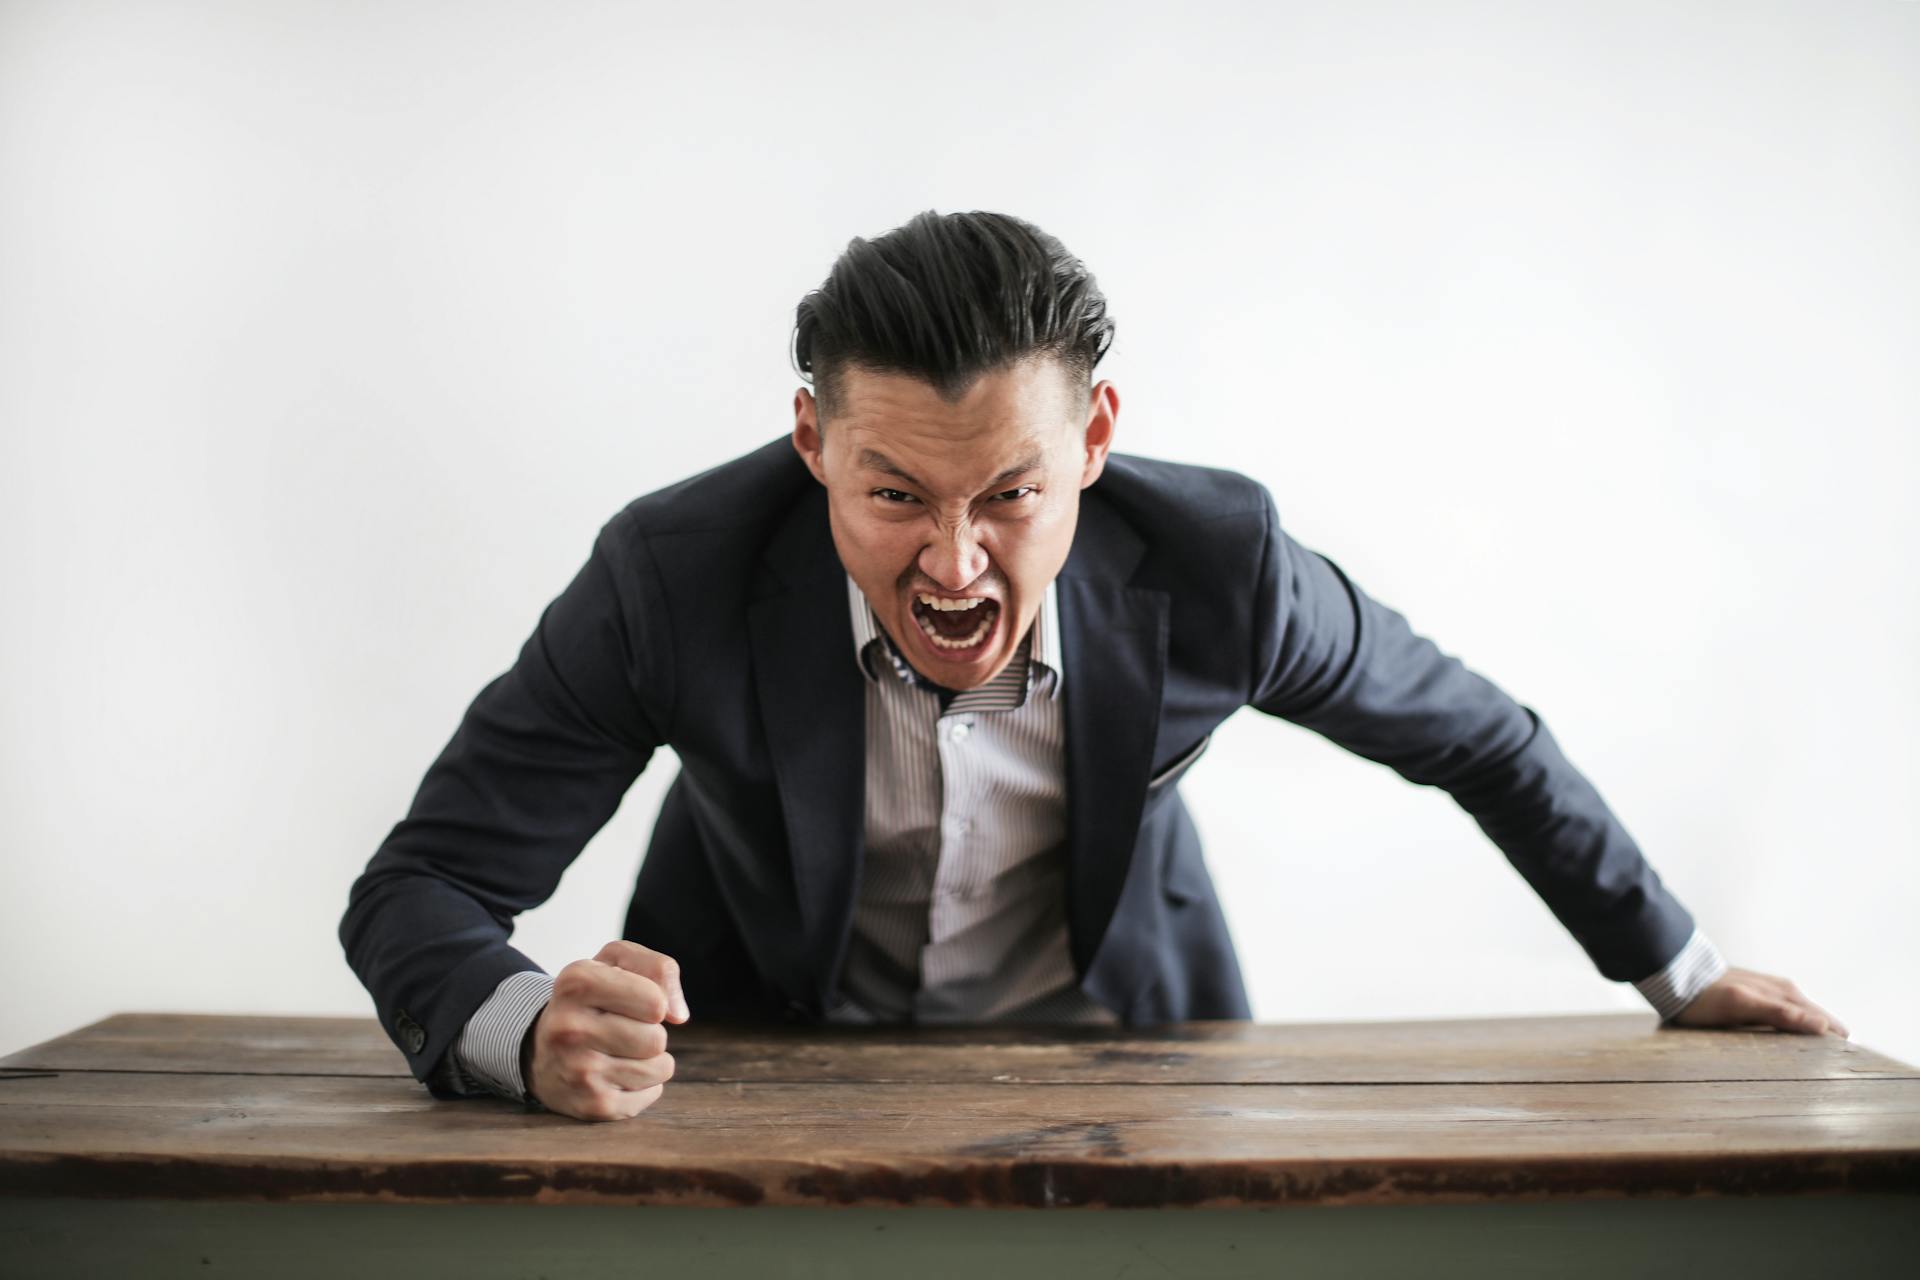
(961, 910)
(961, 913)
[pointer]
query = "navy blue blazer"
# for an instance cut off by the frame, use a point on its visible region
(710, 617)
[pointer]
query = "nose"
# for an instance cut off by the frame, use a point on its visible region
(955, 558)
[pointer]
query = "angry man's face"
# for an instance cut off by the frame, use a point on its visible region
(953, 518)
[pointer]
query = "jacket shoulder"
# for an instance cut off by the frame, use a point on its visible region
(744, 496)
(1155, 495)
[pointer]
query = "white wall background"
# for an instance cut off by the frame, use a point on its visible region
(1582, 334)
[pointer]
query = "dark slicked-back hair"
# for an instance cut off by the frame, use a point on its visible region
(945, 298)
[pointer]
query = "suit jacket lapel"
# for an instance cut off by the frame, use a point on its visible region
(1114, 639)
(813, 702)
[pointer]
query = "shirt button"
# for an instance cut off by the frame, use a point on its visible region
(959, 732)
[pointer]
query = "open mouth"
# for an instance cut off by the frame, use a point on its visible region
(955, 628)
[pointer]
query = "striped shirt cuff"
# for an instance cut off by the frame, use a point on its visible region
(486, 1056)
(1697, 967)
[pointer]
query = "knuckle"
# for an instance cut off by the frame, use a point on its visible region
(619, 1104)
(642, 1001)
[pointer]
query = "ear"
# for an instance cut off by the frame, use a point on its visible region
(1102, 410)
(807, 440)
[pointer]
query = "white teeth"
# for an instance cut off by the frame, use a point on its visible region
(949, 606)
(964, 642)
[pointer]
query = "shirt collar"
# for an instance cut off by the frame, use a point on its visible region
(1042, 643)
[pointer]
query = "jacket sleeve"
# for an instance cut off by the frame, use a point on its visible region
(1331, 659)
(538, 764)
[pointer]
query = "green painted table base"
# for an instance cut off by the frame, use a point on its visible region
(1797, 1236)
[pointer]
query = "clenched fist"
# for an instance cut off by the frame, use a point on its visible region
(599, 1049)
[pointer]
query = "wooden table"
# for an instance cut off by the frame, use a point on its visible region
(169, 1144)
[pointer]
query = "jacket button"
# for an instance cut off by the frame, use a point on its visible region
(412, 1037)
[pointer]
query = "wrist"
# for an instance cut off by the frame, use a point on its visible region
(1697, 966)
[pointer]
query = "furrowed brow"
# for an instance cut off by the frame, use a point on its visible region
(1029, 463)
(874, 460)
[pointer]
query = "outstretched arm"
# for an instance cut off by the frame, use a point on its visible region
(1332, 659)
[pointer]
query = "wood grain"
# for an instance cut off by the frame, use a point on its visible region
(317, 1138)
(1583, 1048)
(1193, 1114)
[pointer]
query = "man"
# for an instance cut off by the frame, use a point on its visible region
(933, 668)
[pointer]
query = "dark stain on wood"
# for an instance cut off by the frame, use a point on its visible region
(1092, 1138)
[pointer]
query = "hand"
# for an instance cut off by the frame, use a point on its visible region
(599, 1051)
(1741, 997)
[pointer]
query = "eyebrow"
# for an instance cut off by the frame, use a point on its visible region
(874, 460)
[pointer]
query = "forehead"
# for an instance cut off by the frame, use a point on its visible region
(1025, 413)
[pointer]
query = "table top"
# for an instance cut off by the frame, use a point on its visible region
(1210, 1114)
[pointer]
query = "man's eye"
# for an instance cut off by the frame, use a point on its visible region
(893, 495)
(1014, 495)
